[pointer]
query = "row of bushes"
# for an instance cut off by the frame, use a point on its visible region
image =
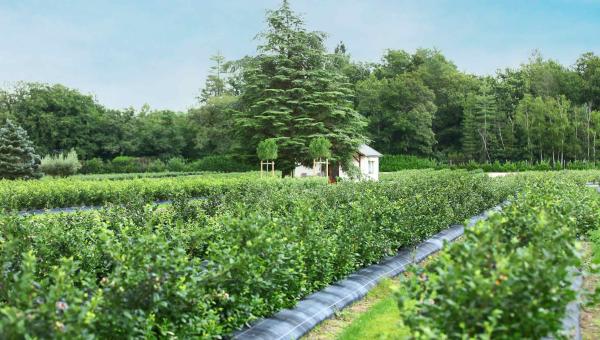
(133, 175)
(202, 269)
(61, 165)
(102, 189)
(390, 163)
(511, 276)
(66, 192)
(126, 164)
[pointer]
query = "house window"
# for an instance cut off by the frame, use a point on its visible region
(371, 167)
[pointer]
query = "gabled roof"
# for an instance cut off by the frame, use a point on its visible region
(368, 151)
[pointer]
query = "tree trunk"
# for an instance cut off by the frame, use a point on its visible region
(334, 172)
(589, 118)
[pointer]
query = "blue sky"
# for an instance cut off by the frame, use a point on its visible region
(129, 53)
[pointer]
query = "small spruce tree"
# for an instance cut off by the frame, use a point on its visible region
(18, 159)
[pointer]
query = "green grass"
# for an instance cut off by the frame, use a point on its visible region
(381, 321)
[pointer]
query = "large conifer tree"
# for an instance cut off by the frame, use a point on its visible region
(480, 115)
(18, 159)
(294, 93)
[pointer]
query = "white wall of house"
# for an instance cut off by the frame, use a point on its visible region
(368, 165)
(366, 159)
(302, 171)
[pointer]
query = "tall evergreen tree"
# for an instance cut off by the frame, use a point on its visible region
(292, 94)
(479, 118)
(470, 139)
(215, 85)
(18, 159)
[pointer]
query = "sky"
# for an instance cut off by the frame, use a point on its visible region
(129, 53)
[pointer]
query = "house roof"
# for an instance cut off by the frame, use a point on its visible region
(368, 151)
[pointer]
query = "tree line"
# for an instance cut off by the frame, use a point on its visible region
(293, 91)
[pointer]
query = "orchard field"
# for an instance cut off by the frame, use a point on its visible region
(232, 248)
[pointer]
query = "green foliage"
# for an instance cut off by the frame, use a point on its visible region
(64, 303)
(400, 112)
(222, 163)
(94, 166)
(123, 164)
(293, 92)
(391, 163)
(216, 82)
(61, 165)
(18, 159)
(588, 67)
(319, 147)
(212, 126)
(161, 134)
(267, 150)
(205, 268)
(519, 263)
(157, 166)
(137, 165)
(176, 164)
(117, 177)
(594, 237)
(480, 118)
(53, 193)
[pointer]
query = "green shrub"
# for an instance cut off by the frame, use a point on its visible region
(61, 165)
(157, 166)
(221, 164)
(176, 164)
(118, 177)
(125, 164)
(94, 166)
(63, 303)
(510, 276)
(205, 268)
(389, 163)
(54, 193)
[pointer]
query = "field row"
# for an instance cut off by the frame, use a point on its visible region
(77, 191)
(205, 268)
(67, 192)
(511, 275)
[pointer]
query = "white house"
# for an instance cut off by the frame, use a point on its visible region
(366, 159)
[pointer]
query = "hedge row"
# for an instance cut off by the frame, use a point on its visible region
(205, 268)
(511, 276)
(575, 176)
(127, 164)
(390, 163)
(133, 175)
(53, 193)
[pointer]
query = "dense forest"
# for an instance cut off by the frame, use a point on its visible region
(293, 89)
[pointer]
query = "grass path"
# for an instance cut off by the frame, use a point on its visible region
(375, 316)
(590, 315)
